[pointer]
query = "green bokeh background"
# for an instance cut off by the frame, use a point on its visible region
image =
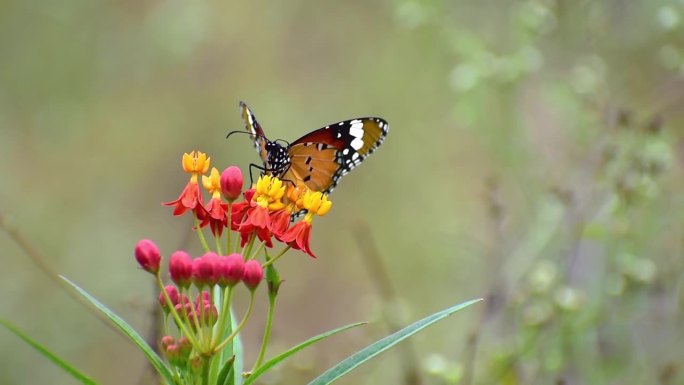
(534, 158)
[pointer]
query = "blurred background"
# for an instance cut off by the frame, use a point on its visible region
(534, 159)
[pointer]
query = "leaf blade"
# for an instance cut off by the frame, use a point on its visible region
(49, 355)
(352, 362)
(128, 330)
(282, 356)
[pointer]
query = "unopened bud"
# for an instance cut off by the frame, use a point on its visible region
(148, 256)
(180, 268)
(172, 292)
(231, 183)
(231, 269)
(205, 270)
(253, 274)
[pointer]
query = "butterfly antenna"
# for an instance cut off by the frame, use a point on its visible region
(241, 132)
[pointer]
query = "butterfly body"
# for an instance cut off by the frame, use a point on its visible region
(320, 158)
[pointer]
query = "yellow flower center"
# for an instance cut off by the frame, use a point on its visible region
(196, 162)
(269, 193)
(212, 183)
(314, 202)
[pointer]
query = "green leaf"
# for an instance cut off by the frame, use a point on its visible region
(225, 376)
(154, 359)
(276, 360)
(360, 357)
(49, 355)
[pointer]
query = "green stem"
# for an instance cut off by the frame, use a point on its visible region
(225, 311)
(240, 326)
(258, 250)
(203, 241)
(217, 240)
(267, 331)
(205, 370)
(272, 260)
(248, 247)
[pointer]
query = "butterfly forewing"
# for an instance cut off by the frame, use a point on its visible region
(254, 128)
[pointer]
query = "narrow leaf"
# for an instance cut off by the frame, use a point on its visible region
(49, 355)
(225, 376)
(154, 359)
(365, 354)
(277, 359)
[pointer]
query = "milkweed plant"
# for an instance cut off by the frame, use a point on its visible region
(249, 231)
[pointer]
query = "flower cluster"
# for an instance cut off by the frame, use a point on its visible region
(199, 299)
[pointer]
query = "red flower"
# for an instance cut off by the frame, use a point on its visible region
(298, 236)
(257, 221)
(215, 216)
(238, 211)
(280, 221)
(189, 199)
(195, 164)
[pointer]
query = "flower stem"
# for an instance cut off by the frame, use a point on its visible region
(267, 331)
(176, 317)
(218, 245)
(272, 260)
(258, 250)
(203, 241)
(240, 326)
(225, 312)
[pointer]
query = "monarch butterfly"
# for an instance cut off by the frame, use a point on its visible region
(320, 158)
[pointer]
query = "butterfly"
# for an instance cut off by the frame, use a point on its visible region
(320, 158)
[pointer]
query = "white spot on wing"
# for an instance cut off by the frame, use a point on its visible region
(357, 144)
(356, 129)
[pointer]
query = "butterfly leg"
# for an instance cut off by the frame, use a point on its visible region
(262, 170)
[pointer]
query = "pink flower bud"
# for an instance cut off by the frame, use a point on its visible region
(148, 256)
(209, 314)
(203, 299)
(231, 269)
(253, 274)
(205, 270)
(231, 183)
(173, 296)
(180, 268)
(166, 341)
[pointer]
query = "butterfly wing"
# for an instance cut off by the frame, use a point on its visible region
(319, 159)
(254, 128)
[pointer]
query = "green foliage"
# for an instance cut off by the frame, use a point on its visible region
(129, 332)
(77, 375)
(362, 356)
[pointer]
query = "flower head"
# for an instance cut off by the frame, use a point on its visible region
(314, 202)
(148, 256)
(195, 163)
(269, 193)
(298, 237)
